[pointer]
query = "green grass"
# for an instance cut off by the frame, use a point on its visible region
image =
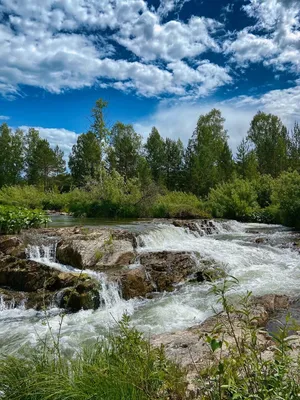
(123, 367)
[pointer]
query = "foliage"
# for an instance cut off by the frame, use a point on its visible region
(286, 196)
(14, 219)
(123, 367)
(236, 199)
(85, 159)
(270, 138)
(179, 205)
(240, 370)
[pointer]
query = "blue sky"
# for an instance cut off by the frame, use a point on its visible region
(158, 62)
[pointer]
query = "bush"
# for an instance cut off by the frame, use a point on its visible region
(179, 205)
(123, 367)
(286, 196)
(264, 186)
(240, 369)
(14, 219)
(236, 200)
(22, 196)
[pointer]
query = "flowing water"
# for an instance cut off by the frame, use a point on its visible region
(271, 267)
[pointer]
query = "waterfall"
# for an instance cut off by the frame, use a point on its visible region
(46, 254)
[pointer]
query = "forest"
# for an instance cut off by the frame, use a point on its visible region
(114, 172)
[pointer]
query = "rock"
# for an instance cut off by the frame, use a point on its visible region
(190, 350)
(167, 268)
(261, 240)
(201, 226)
(12, 245)
(39, 281)
(135, 283)
(81, 297)
(97, 250)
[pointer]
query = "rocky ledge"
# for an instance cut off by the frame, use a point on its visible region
(190, 349)
(113, 251)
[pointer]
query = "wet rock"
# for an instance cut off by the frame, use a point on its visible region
(201, 226)
(98, 250)
(41, 282)
(261, 240)
(168, 268)
(135, 283)
(12, 245)
(84, 296)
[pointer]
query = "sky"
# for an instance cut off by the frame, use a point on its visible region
(157, 62)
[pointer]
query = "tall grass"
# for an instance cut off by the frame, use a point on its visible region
(121, 368)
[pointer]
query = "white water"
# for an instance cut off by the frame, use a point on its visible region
(263, 268)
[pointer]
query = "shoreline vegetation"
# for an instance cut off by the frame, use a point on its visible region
(114, 173)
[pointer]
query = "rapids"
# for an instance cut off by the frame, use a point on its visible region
(270, 267)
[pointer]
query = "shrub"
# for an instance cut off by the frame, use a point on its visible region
(123, 367)
(22, 196)
(14, 219)
(240, 369)
(286, 196)
(264, 186)
(179, 205)
(236, 199)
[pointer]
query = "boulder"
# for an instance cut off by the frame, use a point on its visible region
(200, 226)
(12, 245)
(98, 251)
(168, 268)
(37, 282)
(135, 283)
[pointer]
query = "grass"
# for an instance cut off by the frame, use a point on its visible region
(123, 367)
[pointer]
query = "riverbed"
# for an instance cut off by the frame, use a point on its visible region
(260, 256)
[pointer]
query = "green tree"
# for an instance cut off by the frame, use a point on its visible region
(294, 150)
(270, 139)
(31, 163)
(174, 157)
(246, 161)
(11, 160)
(204, 153)
(85, 159)
(155, 155)
(125, 150)
(225, 164)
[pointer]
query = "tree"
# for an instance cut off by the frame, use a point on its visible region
(31, 162)
(204, 153)
(155, 155)
(42, 162)
(85, 160)
(125, 150)
(11, 160)
(270, 139)
(225, 164)
(99, 128)
(174, 153)
(294, 148)
(246, 161)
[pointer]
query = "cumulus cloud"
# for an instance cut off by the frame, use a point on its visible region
(179, 121)
(65, 45)
(4, 118)
(275, 37)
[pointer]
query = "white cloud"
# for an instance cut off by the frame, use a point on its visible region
(284, 103)
(167, 6)
(275, 37)
(64, 138)
(4, 118)
(179, 121)
(57, 46)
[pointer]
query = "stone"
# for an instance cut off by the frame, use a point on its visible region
(12, 245)
(97, 250)
(200, 226)
(38, 282)
(135, 283)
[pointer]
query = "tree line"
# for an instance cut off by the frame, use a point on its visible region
(268, 148)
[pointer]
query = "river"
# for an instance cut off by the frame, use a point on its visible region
(269, 267)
